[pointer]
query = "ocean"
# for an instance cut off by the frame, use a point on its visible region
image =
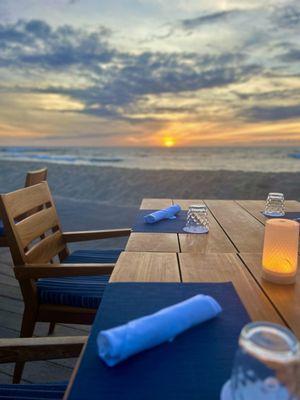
(260, 159)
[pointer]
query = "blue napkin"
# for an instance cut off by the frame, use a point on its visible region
(166, 213)
(121, 342)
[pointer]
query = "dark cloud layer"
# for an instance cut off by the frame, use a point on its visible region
(34, 45)
(116, 80)
(275, 113)
(293, 55)
(216, 17)
(287, 17)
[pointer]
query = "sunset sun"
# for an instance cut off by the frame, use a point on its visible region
(169, 142)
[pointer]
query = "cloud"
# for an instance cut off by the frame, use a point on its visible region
(276, 113)
(139, 76)
(36, 44)
(106, 80)
(287, 16)
(292, 55)
(215, 17)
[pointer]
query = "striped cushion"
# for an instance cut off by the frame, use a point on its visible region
(79, 291)
(93, 256)
(32, 391)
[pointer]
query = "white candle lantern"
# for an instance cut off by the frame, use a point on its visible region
(280, 253)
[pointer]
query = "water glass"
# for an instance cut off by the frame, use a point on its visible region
(197, 219)
(275, 205)
(266, 366)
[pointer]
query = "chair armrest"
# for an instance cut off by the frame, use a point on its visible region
(82, 236)
(31, 271)
(35, 349)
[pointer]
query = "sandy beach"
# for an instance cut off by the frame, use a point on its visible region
(90, 197)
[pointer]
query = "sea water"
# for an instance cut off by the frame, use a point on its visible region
(266, 159)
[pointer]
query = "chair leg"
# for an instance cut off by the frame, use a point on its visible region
(27, 329)
(51, 328)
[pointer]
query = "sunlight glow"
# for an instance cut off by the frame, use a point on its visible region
(169, 142)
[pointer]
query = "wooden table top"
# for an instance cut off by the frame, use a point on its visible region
(230, 252)
(235, 227)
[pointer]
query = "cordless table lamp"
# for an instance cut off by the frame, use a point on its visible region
(280, 252)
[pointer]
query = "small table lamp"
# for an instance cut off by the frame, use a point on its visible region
(280, 253)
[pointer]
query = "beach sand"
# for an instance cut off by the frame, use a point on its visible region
(126, 187)
(89, 197)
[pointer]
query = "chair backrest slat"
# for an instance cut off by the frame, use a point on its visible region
(27, 199)
(36, 225)
(32, 178)
(36, 236)
(35, 177)
(46, 249)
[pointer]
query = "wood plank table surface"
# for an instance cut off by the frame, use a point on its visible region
(235, 227)
(230, 252)
(193, 267)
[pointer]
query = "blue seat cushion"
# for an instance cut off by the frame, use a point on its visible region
(44, 391)
(1, 228)
(78, 291)
(93, 256)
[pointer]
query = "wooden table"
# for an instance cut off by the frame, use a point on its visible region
(230, 252)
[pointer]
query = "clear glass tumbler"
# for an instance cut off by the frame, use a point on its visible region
(266, 366)
(197, 219)
(274, 205)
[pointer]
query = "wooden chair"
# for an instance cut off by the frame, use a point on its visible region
(35, 177)
(37, 349)
(56, 286)
(32, 178)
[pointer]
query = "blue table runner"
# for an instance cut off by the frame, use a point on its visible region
(194, 366)
(288, 215)
(163, 226)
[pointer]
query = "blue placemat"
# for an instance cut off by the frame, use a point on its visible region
(193, 366)
(163, 226)
(288, 215)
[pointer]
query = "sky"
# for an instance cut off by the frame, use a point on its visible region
(149, 72)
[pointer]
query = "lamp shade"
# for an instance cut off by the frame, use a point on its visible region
(280, 252)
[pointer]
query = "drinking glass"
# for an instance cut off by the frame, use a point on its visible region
(197, 219)
(275, 205)
(266, 366)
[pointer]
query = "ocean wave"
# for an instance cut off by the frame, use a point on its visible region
(294, 155)
(24, 149)
(273, 159)
(114, 159)
(42, 154)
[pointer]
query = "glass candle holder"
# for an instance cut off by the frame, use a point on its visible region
(266, 365)
(280, 251)
(197, 219)
(275, 205)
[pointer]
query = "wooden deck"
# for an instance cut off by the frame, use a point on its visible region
(11, 310)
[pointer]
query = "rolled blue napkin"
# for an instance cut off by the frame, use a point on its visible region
(121, 342)
(166, 213)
